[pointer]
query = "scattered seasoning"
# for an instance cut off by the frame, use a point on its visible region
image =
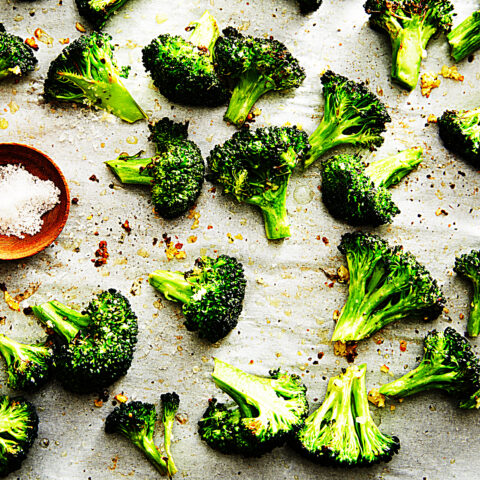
(192, 239)
(428, 82)
(172, 252)
(98, 403)
(195, 215)
(452, 72)
(403, 346)
(93, 178)
(43, 36)
(121, 398)
(11, 302)
(432, 118)
(374, 396)
(101, 254)
(80, 27)
(126, 226)
(31, 43)
(347, 350)
(74, 201)
(441, 211)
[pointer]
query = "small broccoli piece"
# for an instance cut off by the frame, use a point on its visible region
(29, 367)
(268, 411)
(410, 25)
(255, 167)
(464, 39)
(95, 347)
(353, 115)
(448, 364)
(170, 404)
(460, 132)
(308, 6)
(358, 194)
(342, 432)
(175, 173)
(386, 285)
(18, 431)
(97, 12)
(212, 294)
(255, 66)
(183, 70)
(468, 265)
(86, 72)
(16, 57)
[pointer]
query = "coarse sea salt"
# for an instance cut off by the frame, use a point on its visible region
(24, 198)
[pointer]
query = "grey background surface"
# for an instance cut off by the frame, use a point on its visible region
(287, 317)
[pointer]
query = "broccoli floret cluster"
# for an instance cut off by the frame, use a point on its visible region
(95, 348)
(386, 285)
(175, 173)
(410, 24)
(255, 167)
(341, 432)
(16, 57)
(308, 6)
(211, 294)
(268, 411)
(97, 12)
(254, 66)
(464, 39)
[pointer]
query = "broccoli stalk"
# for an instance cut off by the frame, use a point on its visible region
(205, 33)
(131, 169)
(464, 39)
(170, 403)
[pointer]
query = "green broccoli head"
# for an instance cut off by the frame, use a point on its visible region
(96, 347)
(86, 72)
(18, 431)
(212, 294)
(268, 411)
(97, 12)
(410, 24)
(448, 364)
(255, 167)
(136, 422)
(182, 69)
(352, 115)
(342, 432)
(468, 265)
(16, 57)
(255, 66)
(358, 194)
(308, 6)
(170, 403)
(460, 132)
(29, 367)
(464, 39)
(386, 285)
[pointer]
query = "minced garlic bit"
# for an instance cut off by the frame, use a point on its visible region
(432, 118)
(121, 398)
(375, 397)
(11, 302)
(428, 82)
(173, 251)
(452, 73)
(24, 198)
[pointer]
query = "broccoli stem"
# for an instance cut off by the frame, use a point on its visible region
(464, 39)
(11, 350)
(473, 325)
(172, 285)
(151, 451)
(65, 321)
(250, 87)
(389, 171)
(168, 420)
(205, 33)
(129, 169)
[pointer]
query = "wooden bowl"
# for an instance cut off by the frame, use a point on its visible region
(38, 164)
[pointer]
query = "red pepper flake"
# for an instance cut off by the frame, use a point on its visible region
(101, 254)
(461, 316)
(74, 201)
(251, 362)
(325, 240)
(403, 346)
(209, 227)
(320, 355)
(93, 178)
(31, 43)
(179, 246)
(126, 226)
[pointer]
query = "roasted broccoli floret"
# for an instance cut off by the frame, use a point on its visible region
(16, 57)
(255, 167)
(175, 173)
(86, 72)
(464, 39)
(254, 66)
(268, 410)
(468, 265)
(170, 404)
(183, 70)
(410, 25)
(28, 366)
(460, 132)
(352, 115)
(211, 294)
(95, 347)
(342, 432)
(358, 194)
(448, 364)
(307, 6)
(97, 12)
(386, 285)
(18, 431)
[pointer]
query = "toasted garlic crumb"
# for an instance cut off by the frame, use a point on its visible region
(428, 82)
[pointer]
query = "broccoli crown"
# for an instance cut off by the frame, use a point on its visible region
(268, 411)
(16, 57)
(183, 70)
(28, 366)
(307, 6)
(460, 132)
(96, 348)
(352, 115)
(255, 66)
(86, 72)
(18, 431)
(97, 12)
(448, 364)
(386, 284)
(255, 167)
(212, 294)
(464, 39)
(342, 432)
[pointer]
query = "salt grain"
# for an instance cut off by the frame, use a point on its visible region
(24, 198)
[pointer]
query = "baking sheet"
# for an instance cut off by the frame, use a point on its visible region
(287, 316)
